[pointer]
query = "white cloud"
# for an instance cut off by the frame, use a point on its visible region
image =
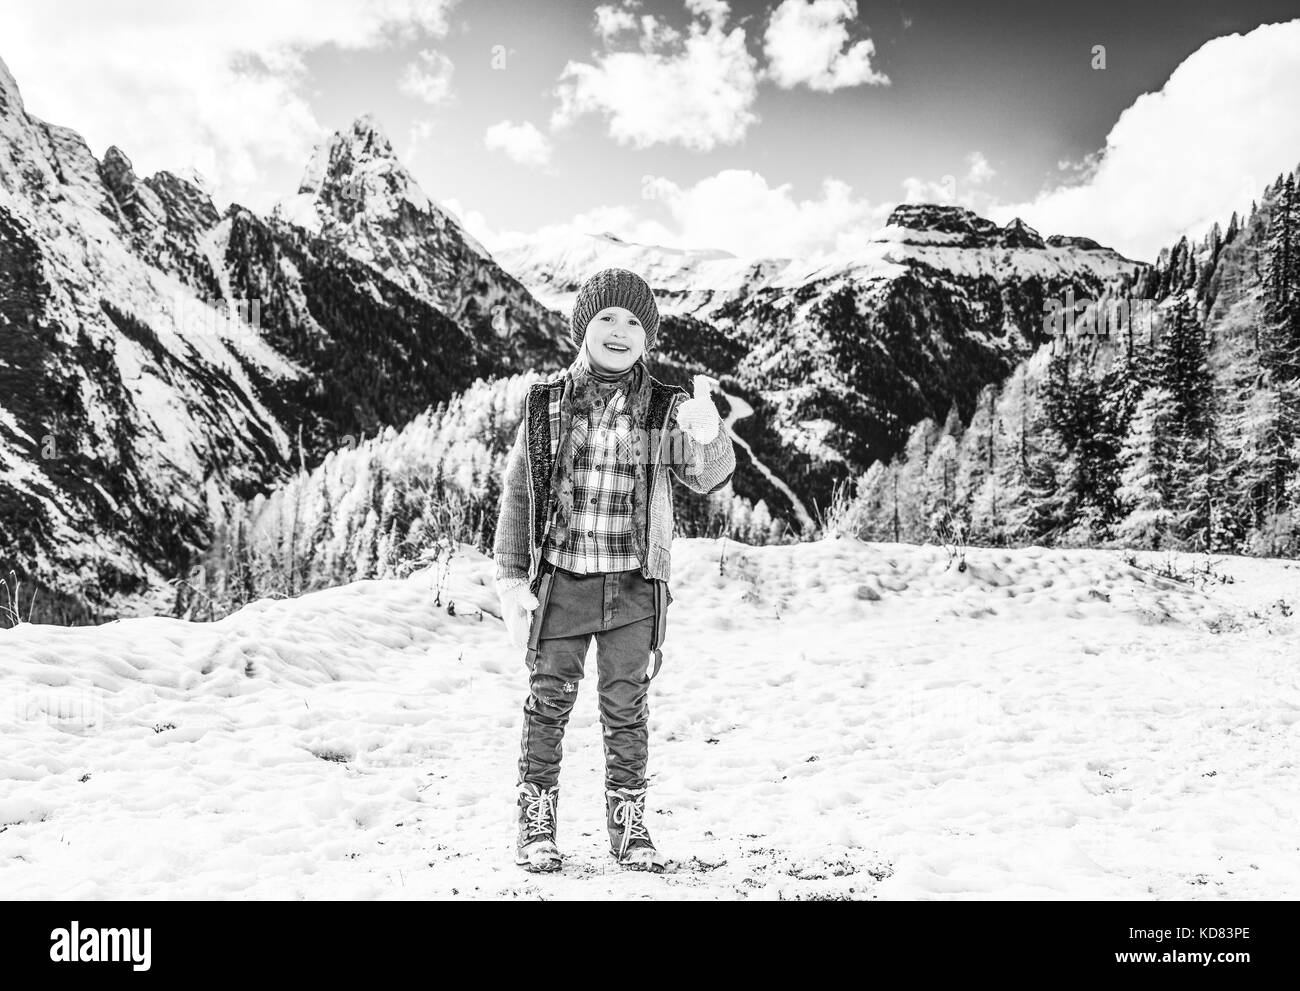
(1221, 128)
(696, 91)
(472, 220)
(805, 45)
(953, 189)
(428, 78)
(611, 20)
(942, 190)
(619, 219)
(713, 11)
(221, 87)
(979, 170)
(737, 210)
(522, 143)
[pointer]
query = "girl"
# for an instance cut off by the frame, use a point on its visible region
(582, 550)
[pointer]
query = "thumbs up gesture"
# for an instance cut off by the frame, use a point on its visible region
(698, 416)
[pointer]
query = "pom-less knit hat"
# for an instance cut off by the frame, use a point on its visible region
(614, 287)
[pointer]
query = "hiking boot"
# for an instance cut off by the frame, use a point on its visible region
(629, 840)
(535, 848)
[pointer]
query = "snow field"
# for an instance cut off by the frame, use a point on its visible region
(833, 720)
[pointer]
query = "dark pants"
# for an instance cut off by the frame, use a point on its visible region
(618, 609)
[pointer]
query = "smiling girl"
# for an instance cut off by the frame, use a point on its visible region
(582, 550)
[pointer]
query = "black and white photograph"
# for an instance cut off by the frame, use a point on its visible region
(650, 450)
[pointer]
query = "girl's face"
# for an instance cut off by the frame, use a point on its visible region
(615, 339)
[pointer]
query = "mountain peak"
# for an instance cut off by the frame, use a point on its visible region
(11, 101)
(940, 222)
(940, 218)
(369, 136)
(1018, 234)
(1074, 241)
(356, 191)
(357, 171)
(118, 174)
(118, 160)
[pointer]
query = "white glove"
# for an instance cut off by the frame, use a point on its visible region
(517, 605)
(697, 415)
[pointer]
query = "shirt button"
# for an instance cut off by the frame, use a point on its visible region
(593, 500)
(591, 533)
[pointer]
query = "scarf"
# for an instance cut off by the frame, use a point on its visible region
(583, 386)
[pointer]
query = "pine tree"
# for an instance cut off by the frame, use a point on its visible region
(1132, 373)
(1213, 245)
(318, 565)
(976, 460)
(1024, 476)
(1181, 366)
(1275, 409)
(388, 539)
(915, 496)
(1233, 229)
(364, 549)
(1078, 421)
(869, 515)
(1281, 337)
(1146, 473)
(1203, 523)
(940, 501)
(294, 527)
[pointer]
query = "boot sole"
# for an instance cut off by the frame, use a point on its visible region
(540, 868)
(652, 868)
(549, 867)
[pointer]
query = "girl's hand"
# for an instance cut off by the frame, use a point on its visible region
(517, 605)
(698, 416)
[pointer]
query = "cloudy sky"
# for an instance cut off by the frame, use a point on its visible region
(786, 127)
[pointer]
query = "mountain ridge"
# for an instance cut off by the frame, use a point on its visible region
(160, 361)
(182, 360)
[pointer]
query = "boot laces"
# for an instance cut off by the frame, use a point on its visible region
(539, 813)
(629, 813)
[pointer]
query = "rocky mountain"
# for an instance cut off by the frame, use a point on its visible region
(358, 198)
(835, 360)
(1181, 431)
(160, 360)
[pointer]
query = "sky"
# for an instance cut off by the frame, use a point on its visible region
(784, 127)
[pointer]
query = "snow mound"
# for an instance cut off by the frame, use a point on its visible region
(853, 580)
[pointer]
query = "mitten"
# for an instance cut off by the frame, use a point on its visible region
(697, 415)
(517, 605)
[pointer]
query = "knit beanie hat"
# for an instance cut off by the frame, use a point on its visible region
(614, 287)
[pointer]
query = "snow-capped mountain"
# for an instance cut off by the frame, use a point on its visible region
(839, 356)
(699, 282)
(159, 360)
(1177, 429)
(125, 399)
(355, 195)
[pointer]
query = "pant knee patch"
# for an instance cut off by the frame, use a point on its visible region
(555, 692)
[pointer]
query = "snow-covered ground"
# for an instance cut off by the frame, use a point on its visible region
(833, 719)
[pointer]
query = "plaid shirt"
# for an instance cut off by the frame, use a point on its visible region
(604, 473)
